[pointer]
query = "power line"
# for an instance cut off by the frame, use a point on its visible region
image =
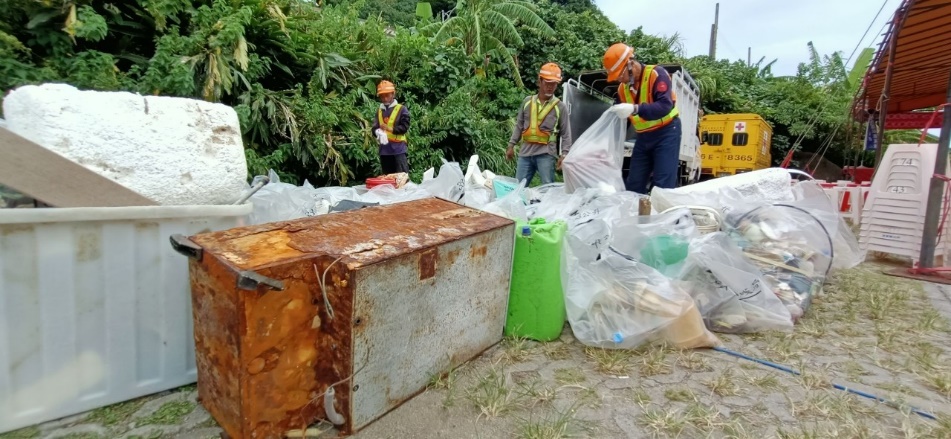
(866, 32)
(815, 118)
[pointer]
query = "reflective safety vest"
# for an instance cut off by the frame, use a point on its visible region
(388, 125)
(647, 97)
(534, 133)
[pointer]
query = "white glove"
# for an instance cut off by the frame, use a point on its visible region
(623, 111)
(381, 137)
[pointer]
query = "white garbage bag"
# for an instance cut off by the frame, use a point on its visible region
(477, 196)
(387, 194)
(448, 184)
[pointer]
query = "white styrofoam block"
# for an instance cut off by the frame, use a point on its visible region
(765, 185)
(175, 151)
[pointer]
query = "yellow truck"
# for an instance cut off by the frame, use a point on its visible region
(733, 144)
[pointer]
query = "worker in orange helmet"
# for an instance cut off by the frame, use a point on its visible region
(541, 122)
(389, 127)
(645, 97)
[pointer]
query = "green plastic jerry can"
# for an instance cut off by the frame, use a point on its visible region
(536, 300)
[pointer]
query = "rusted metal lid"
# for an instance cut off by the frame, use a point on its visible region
(361, 237)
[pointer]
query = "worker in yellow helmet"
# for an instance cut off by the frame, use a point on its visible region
(541, 123)
(647, 100)
(389, 127)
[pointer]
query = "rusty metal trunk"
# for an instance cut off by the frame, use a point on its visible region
(372, 302)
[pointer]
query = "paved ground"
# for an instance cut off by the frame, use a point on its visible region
(883, 335)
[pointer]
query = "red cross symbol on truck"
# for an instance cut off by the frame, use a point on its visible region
(739, 127)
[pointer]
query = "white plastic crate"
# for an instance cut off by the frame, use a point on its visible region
(95, 306)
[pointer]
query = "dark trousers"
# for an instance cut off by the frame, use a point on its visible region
(656, 152)
(392, 164)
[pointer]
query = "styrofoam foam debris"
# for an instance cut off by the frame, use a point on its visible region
(175, 151)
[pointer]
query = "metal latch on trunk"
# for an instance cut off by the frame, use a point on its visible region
(185, 246)
(250, 280)
(247, 280)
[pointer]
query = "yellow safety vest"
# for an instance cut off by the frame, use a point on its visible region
(646, 96)
(388, 125)
(534, 133)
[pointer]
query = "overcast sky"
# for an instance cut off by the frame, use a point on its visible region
(772, 28)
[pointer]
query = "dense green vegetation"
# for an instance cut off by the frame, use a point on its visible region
(302, 74)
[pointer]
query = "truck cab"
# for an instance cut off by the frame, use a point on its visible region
(589, 95)
(733, 144)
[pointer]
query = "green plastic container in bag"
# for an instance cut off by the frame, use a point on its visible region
(536, 299)
(663, 251)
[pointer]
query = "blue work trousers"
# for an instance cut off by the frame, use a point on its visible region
(657, 153)
(544, 164)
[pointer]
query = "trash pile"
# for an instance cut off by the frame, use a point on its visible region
(738, 254)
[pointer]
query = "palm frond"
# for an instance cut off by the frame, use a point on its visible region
(451, 27)
(476, 35)
(431, 29)
(673, 44)
(502, 27)
(524, 12)
(499, 48)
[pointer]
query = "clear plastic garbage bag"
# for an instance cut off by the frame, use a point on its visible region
(615, 302)
(511, 206)
(723, 199)
(731, 293)
(477, 196)
(769, 185)
(790, 246)
(277, 201)
(596, 158)
(810, 196)
(659, 241)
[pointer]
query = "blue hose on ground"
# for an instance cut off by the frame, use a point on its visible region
(914, 410)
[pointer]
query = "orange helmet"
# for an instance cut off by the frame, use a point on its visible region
(615, 59)
(385, 87)
(550, 72)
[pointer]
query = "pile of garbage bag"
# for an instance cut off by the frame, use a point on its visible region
(742, 254)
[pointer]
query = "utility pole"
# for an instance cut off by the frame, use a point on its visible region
(713, 33)
(749, 56)
(936, 191)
